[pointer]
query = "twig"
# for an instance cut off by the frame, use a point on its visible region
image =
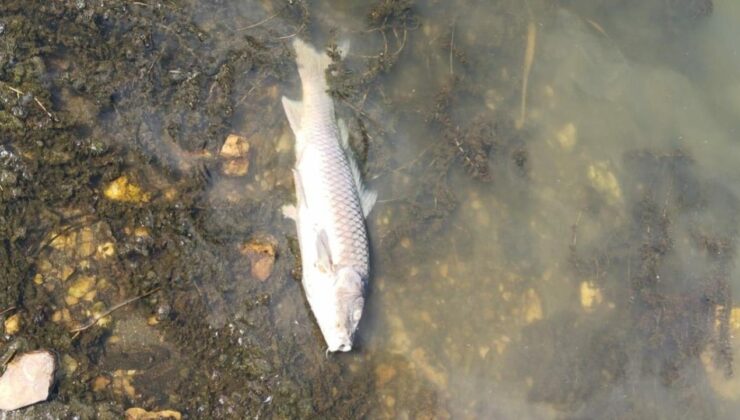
(452, 47)
(19, 92)
(5, 311)
(528, 59)
(262, 22)
(43, 107)
(95, 320)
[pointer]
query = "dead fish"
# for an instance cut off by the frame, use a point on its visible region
(331, 205)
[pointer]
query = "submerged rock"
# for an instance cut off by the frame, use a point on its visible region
(27, 380)
(136, 413)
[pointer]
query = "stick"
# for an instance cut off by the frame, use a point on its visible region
(95, 320)
(528, 59)
(5, 311)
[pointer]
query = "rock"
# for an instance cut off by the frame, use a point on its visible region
(384, 374)
(235, 151)
(121, 189)
(13, 324)
(604, 181)
(235, 146)
(590, 295)
(261, 253)
(566, 136)
(136, 413)
(27, 380)
(100, 383)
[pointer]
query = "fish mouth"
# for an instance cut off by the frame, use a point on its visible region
(343, 347)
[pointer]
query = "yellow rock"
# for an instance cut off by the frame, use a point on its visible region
(384, 374)
(81, 286)
(71, 300)
(106, 250)
(735, 319)
(122, 383)
(86, 245)
(566, 136)
(590, 295)
(235, 146)
(100, 383)
(141, 232)
(532, 306)
(38, 279)
(604, 181)
(136, 413)
(89, 296)
(121, 189)
(261, 253)
(66, 272)
(152, 320)
(13, 324)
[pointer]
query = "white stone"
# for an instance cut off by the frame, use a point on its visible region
(27, 380)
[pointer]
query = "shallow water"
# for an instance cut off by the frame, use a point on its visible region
(572, 261)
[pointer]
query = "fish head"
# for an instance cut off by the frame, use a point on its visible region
(337, 305)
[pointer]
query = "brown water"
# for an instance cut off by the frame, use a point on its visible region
(570, 258)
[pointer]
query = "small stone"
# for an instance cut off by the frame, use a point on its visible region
(81, 286)
(122, 382)
(100, 383)
(261, 253)
(567, 136)
(235, 146)
(106, 250)
(152, 320)
(121, 189)
(13, 324)
(136, 413)
(604, 181)
(590, 295)
(384, 374)
(27, 380)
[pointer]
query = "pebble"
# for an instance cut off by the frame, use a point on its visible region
(27, 380)
(590, 295)
(121, 189)
(261, 253)
(13, 324)
(235, 151)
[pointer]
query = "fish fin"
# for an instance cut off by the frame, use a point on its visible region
(367, 197)
(343, 134)
(290, 212)
(323, 252)
(293, 110)
(367, 201)
(312, 64)
(300, 193)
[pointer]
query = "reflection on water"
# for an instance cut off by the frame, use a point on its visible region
(581, 265)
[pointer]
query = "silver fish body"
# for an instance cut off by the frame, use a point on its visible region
(331, 207)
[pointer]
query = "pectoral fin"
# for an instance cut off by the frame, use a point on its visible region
(293, 110)
(323, 252)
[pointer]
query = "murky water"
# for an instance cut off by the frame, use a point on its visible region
(555, 235)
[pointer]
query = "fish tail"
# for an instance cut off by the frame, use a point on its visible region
(312, 64)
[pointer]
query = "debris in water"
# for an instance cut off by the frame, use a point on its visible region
(27, 380)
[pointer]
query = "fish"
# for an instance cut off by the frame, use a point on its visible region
(332, 205)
